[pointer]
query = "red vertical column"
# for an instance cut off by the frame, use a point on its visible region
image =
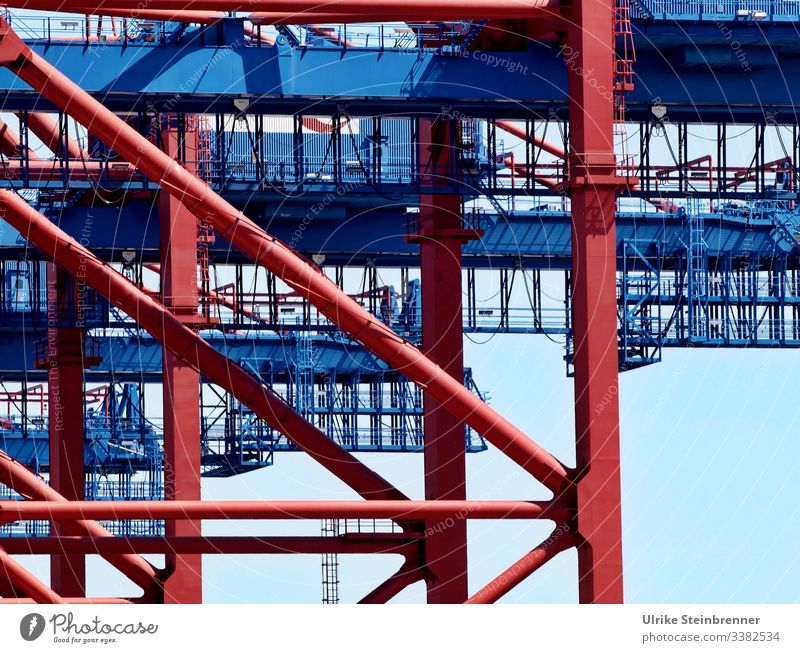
(181, 384)
(590, 59)
(440, 238)
(64, 357)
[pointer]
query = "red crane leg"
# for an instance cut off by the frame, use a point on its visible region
(440, 237)
(65, 363)
(71, 256)
(519, 132)
(302, 276)
(25, 581)
(180, 382)
(593, 186)
(24, 482)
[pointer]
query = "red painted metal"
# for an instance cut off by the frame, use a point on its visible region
(180, 381)
(594, 521)
(48, 132)
(256, 34)
(409, 573)
(329, 34)
(9, 143)
(373, 509)
(78, 600)
(65, 362)
(440, 237)
(68, 254)
(25, 581)
(524, 567)
(297, 272)
(517, 131)
(7, 588)
(593, 186)
(215, 297)
(26, 483)
(224, 545)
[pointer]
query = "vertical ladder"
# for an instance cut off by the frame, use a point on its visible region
(697, 275)
(623, 81)
(330, 564)
(198, 124)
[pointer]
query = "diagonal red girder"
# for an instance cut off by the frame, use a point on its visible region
(300, 274)
(561, 540)
(25, 581)
(23, 481)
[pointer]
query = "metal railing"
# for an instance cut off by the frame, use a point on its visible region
(717, 10)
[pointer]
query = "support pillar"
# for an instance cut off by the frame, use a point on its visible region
(181, 384)
(593, 187)
(440, 237)
(64, 358)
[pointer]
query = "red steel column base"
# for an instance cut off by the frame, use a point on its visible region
(65, 362)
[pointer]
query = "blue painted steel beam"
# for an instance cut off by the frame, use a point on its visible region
(282, 80)
(540, 238)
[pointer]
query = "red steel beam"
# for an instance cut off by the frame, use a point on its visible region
(65, 362)
(171, 15)
(7, 588)
(26, 483)
(331, 36)
(539, 142)
(78, 600)
(304, 278)
(409, 573)
(593, 187)
(70, 255)
(10, 144)
(524, 567)
(440, 237)
(9, 141)
(180, 381)
(224, 545)
(25, 581)
(373, 509)
(47, 131)
(217, 298)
